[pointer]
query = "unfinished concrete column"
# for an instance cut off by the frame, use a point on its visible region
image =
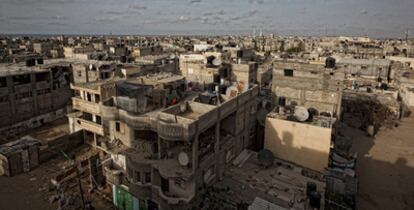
(217, 148)
(195, 150)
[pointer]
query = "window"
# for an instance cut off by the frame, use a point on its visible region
(117, 126)
(137, 176)
(4, 99)
(363, 67)
(97, 98)
(147, 177)
(88, 97)
(288, 72)
(98, 119)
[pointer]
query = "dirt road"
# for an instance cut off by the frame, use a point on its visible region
(386, 167)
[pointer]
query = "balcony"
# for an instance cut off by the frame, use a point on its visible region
(86, 106)
(88, 125)
(113, 176)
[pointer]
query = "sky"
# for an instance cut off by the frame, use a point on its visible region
(375, 18)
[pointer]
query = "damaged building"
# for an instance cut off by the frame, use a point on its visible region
(33, 93)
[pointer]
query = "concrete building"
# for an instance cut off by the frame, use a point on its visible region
(92, 70)
(165, 143)
(308, 100)
(373, 70)
(33, 93)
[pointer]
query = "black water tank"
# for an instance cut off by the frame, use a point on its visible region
(315, 200)
(330, 62)
(223, 72)
(310, 187)
(123, 59)
(282, 101)
(30, 62)
(211, 87)
(216, 78)
(223, 89)
(313, 112)
(40, 61)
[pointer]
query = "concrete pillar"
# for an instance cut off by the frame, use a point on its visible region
(217, 150)
(195, 151)
(159, 147)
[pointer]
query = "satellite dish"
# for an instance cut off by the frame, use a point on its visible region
(301, 113)
(217, 62)
(172, 56)
(183, 107)
(183, 159)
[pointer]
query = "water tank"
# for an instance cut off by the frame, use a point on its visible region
(30, 62)
(330, 62)
(282, 101)
(315, 200)
(310, 187)
(313, 112)
(123, 59)
(40, 61)
(223, 89)
(223, 72)
(216, 78)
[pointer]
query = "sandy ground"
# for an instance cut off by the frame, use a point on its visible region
(30, 192)
(386, 167)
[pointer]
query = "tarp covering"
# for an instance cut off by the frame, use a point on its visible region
(133, 97)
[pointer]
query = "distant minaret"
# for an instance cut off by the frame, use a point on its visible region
(254, 32)
(407, 34)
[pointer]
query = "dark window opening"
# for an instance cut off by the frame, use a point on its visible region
(88, 97)
(98, 120)
(117, 126)
(288, 72)
(97, 98)
(147, 177)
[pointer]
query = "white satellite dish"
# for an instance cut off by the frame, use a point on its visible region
(301, 113)
(183, 107)
(183, 159)
(217, 62)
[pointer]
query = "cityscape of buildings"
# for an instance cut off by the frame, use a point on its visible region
(206, 122)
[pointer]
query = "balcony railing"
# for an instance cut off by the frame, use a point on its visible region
(86, 106)
(90, 126)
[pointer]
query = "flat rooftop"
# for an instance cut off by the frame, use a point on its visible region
(283, 183)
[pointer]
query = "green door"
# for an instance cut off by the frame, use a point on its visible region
(124, 200)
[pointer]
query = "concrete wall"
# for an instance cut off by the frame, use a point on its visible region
(311, 86)
(300, 143)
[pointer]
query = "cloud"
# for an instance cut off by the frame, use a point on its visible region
(221, 12)
(19, 18)
(363, 12)
(244, 16)
(256, 1)
(195, 1)
(137, 7)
